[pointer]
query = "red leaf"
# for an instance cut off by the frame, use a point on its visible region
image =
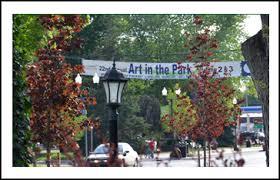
(209, 54)
(197, 20)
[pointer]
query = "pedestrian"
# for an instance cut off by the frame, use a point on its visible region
(152, 148)
(176, 153)
(214, 144)
(158, 150)
(147, 149)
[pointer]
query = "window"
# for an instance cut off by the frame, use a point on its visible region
(120, 148)
(102, 149)
(243, 120)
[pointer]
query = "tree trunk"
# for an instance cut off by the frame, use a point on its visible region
(209, 154)
(204, 153)
(48, 156)
(256, 52)
(198, 156)
(34, 160)
(48, 144)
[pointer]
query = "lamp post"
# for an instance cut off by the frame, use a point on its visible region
(164, 94)
(91, 138)
(78, 81)
(113, 82)
(95, 80)
(86, 141)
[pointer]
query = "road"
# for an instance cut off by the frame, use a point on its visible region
(252, 159)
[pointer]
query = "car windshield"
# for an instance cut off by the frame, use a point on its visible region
(102, 149)
(120, 148)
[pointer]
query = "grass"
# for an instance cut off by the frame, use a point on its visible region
(38, 165)
(192, 152)
(43, 156)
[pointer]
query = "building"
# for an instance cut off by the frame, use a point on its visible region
(251, 119)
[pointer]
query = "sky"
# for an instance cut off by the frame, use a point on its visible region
(252, 24)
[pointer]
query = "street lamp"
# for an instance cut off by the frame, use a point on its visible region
(234, 101)
(178, 91)
(164, 94)
(78, 79)
(113, 82)
(95, 80)
(164, 91)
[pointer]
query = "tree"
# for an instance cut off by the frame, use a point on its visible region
(227, 138)
(213, 95)
(54, 95)
(27, 37)
(256, 51)
(150, 110)
(184, 117)
(131, 124)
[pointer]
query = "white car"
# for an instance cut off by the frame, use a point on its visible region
(99, 157)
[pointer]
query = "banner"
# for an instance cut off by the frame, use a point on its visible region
(143, 70)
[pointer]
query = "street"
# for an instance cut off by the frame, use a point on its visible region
(254, 157)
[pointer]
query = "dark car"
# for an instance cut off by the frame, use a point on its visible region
(246, 138)
(251, 137)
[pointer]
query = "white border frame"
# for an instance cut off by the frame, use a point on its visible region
(9, 8)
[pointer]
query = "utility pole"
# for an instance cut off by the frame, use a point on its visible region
(171, 113)
(86, 141)
(91, 138)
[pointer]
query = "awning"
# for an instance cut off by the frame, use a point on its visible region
(251, 115)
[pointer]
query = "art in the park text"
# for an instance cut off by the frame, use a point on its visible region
(176, 69)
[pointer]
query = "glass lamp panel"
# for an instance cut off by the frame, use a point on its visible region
(164, 92)
(95, 78)
(113, 91)
(105, 84)
(78, 79)
(234, 101)
(178, 91)
(120, 91)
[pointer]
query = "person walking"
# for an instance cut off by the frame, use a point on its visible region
(152, 148)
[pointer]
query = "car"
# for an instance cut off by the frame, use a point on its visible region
(100, 156)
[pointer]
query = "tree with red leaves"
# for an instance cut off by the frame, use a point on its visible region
(54, 94)
(211, 104)
(213, 95)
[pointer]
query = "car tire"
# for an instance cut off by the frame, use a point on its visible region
(123, 163)
(136, 163)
